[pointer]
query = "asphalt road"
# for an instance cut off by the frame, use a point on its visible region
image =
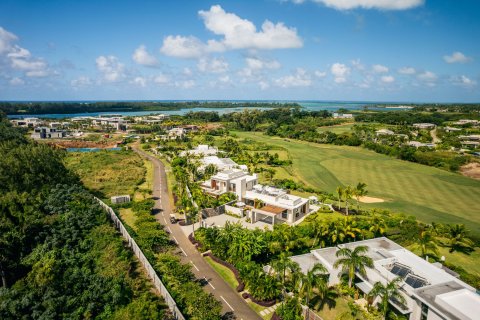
(230, 299)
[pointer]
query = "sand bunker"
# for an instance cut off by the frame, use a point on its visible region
(370, 200)
(471, 170)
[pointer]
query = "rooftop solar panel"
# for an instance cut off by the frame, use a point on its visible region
(400, 270)
(415, 282)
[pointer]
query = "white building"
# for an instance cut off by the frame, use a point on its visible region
(418, 144)
(384, 132)
(262, 203)
(431, 291)
(201, 150)
(466, 121)
(342, 115)
(115, 121)
(424, 126)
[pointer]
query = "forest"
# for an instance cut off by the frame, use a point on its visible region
(59, 255)
(18, 108)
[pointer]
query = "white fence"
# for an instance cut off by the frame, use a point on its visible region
(145, 263)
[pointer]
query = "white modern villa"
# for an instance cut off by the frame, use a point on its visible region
(201, 150)
(257, 202)
(431, 291)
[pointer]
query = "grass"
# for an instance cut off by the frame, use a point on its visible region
(108, 173)
(128, 216)
(429, 193)
(144, 190)
(226, 274)
(338, 129)
(255, 307)
(341, 307)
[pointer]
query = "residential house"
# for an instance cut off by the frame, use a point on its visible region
(262, 203)
(342, 115)
(418, 144)
(47, 133)
(424, 126)
(384, 132)
(431, 291)
(466, 121)
(201, 150)
(451, 129)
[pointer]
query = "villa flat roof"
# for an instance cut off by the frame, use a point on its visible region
(451, 299)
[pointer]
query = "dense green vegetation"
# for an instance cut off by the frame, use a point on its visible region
(108, 173)
(119, 106)
(426, 192)
(59, 255)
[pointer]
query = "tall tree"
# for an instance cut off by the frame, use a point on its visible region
(387, 292)
(353, 260)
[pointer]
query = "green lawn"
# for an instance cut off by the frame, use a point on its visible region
(338, 129)
(340, 308)
(128, 216)
(108, 173)
(224, 272)
(428, 193)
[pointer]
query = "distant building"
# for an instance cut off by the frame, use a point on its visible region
(201, 150)
(466, 121)
(47, 133)
(342, 115)
(418, 144)
(431, 291)
(384, 132)
(451, 129)
(27, 122)
(471, 137)
(424, 126)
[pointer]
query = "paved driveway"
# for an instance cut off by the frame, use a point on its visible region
(230, 299)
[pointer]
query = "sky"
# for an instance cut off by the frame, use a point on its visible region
(343, 50)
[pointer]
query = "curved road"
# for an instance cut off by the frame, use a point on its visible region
(230, 299)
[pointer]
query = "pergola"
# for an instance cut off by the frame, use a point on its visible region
(267, 210)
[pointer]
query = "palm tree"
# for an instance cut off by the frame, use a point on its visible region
(340, 196)
(360, 191)
(283, 265)
(387, 292)
(347, 195)
(458, 240)
(353, 260)
(426, 242)
(314, 279)
(377, 226)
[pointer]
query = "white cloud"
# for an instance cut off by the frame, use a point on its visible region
(428, 77)
(161, 79)
(263, 85)
(320, 74)
(6, 40)
(215, 65)
(16, 81)
(378, 68)
(340, 72)
(358, 65)
(241, 33)
(237, 33)
(183, 47)
(144, 58)
(456, 57)
(255, 63)
(82, 81)
(187, 72)
(299, 79)
(388, 79)
(368, 4)
(463, 81)
(224, 79)
(110, 68)
(407, 70)
(140, 81)
(186, 84)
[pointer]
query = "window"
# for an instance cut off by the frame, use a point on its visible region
(284, 214)
(424, 312)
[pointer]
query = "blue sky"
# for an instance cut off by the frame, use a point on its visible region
(366, 50)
